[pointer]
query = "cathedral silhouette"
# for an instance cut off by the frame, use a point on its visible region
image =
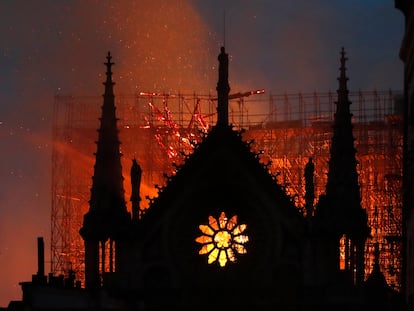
(222, 233)
(244, 244)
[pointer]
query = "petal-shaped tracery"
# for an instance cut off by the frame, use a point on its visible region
(241, 239)
(232, 223)
(222, 258)
(239, 248)
(206, 230)
(223, 220)
(239, 229)
(230, 255)
(204, 239)
(213, 223)
(213, 255)
(206, 249)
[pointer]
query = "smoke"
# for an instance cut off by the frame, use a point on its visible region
(24, 204)
(294, 46)
(157, 46)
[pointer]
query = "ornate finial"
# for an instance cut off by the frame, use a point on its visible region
(342, 77)
(108, 83)
(223, 89)
(343, 54)
(109, 57)
(109, 64)
(343, 60)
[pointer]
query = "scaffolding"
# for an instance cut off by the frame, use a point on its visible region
(159, 130)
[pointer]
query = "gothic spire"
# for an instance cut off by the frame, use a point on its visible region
(106, 222)
(339, 213)
(342, 188)
(223, 89)
(107, 192)
(108, 83)
(342, 175)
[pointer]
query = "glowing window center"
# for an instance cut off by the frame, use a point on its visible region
(222, 239)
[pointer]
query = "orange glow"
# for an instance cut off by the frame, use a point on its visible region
(25, 204)
(221, 238)
(107, 257)
(164, 47)
(282, 145)
(342, 258)
(156, 46)
(161, 48)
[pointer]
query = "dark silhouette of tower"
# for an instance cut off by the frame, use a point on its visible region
(136, 173)
(223, 89)
(107, 219)
(339, 214)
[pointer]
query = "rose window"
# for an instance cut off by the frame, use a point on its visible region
(222, 239)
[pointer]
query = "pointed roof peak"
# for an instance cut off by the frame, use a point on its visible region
(343, 61)
(343, 53)
(343, 88)
(108, 82)
(109, 63)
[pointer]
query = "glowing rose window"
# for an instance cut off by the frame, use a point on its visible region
(222, 239)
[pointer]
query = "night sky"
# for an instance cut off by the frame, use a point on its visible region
(59, 47)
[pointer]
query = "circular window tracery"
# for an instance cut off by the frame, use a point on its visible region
(222, 239)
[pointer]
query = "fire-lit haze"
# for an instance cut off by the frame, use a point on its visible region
(59, 47)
